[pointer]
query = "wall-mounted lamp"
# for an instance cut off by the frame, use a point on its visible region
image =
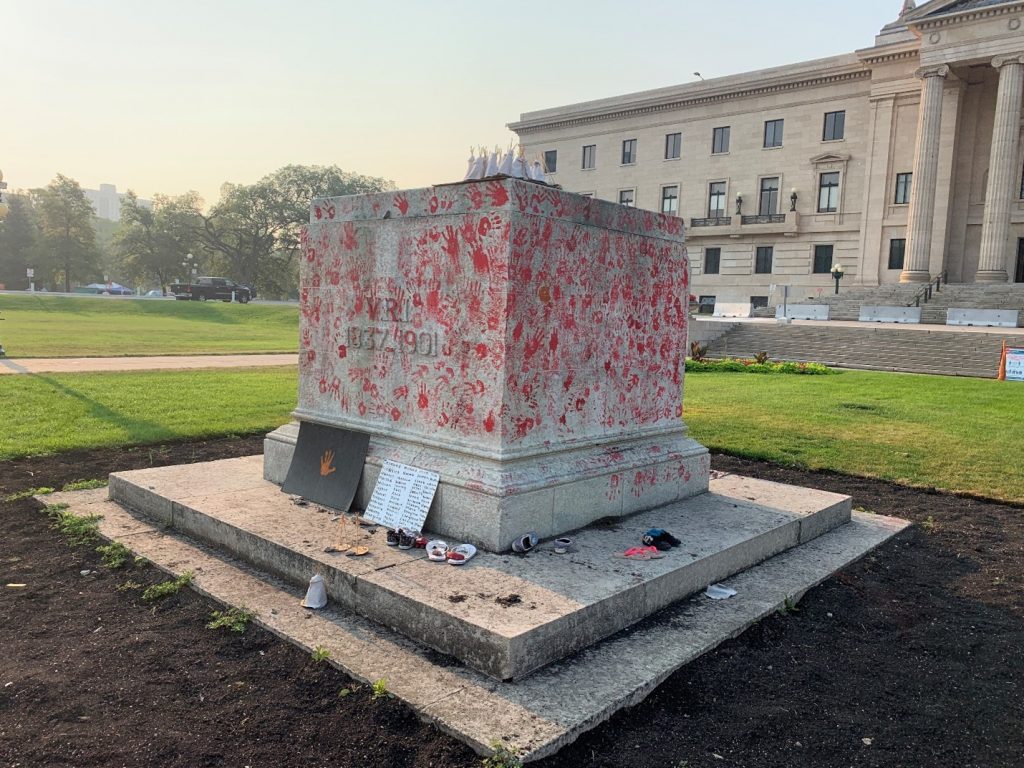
(739, 204)
(792, 200)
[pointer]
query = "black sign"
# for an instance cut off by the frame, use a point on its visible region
(327, 465)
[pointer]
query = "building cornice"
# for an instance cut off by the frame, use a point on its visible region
(883, 54)
(690, 96)
(958, 17)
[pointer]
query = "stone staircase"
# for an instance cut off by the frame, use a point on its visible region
(846, 306)
(871, 347)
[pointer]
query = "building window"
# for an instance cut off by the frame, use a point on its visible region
(670, 200)
(712, 260)
(897, 248)
(716, 200)
(903, 182)
(589, 157)
(629, 152)
(627, 197)
(822, 259)
(673, 146)
(706, 305)
(551, 161)
(769, 201)
(758, 302)
(763, 260)
(835, 126)
(773, 133)
(720, 141)
(828, 192)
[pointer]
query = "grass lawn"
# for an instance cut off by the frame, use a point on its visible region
(52, 413)
(76, 326)
(950, 433)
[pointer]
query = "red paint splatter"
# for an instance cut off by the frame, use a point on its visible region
(489, 422)
(349, 241)
(342, 351)
(481, 351)
(402, 203)
(480, 263)
(496, 192)
(395, 414)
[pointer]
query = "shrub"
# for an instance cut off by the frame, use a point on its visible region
(761, 358)
(84, 485)
(78, 530)
(501, 757)
(233, 619)
(29, 493)
(167, 588)
(732, 365)
(380, 689)
(115, 554)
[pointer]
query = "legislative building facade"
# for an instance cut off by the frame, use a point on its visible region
(900, 162)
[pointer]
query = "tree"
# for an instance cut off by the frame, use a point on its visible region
(66, 237)
(255, 229)
(153, 242)
(18, 235)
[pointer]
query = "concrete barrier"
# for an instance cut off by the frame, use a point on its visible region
(992, 318)
(870, 314)
(802, 312)
(734, 309)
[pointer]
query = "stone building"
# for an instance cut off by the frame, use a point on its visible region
(900, 161)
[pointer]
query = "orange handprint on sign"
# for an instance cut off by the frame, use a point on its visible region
(327, 463)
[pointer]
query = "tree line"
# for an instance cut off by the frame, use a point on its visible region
(250, 235)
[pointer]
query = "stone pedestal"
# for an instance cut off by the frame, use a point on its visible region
(525, 343)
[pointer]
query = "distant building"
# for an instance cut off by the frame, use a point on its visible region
(106, 201)
(900, 161)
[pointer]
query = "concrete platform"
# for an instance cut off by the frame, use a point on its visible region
(539, 714)
(503, 615)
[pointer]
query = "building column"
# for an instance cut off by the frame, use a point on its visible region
(916, 266)
(1002, 171)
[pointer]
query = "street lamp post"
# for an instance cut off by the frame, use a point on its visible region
(837, 275)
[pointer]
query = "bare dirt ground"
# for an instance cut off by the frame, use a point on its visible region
(913, 657)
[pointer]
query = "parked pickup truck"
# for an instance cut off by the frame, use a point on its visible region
(212, 289)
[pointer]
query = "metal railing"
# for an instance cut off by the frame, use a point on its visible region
(934, 286)
(713, 221)
(772, 218)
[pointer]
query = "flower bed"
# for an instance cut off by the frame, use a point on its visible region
(733, 365)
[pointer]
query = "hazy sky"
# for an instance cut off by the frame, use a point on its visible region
(171, 96)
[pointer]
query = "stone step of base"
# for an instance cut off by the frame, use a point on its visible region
(545, 711)
(503, 615)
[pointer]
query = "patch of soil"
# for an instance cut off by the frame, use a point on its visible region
(912, 657)
(92, 675)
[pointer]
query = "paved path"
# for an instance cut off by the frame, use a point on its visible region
(165, 363)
